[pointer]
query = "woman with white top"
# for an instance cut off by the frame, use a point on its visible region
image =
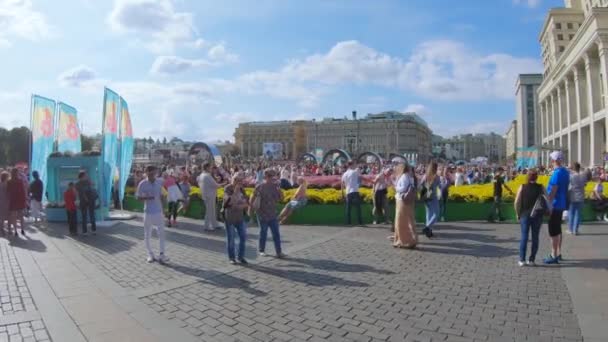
(405, 221)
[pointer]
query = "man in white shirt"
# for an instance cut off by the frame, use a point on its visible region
(351, 179)
(150, 191)
(208, 187)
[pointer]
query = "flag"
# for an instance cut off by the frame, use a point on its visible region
(43, 134)
(109, 141)
(126, 147)
(68, 133)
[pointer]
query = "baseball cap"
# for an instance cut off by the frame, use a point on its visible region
(556, 155)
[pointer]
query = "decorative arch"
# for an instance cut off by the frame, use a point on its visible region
(307, 156)
(329, 156)
(397, 157)
(362, 157)
(213, 151)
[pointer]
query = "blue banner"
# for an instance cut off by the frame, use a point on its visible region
(43, 134)
(126, 147)
(527, 157)
(109, 147)
(68, 132)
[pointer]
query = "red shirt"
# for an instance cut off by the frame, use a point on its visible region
(69, 197)
(16, 195)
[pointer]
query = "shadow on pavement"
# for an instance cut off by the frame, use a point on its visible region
(596, 264)
(458, 248)
(483, 238)
(331, 265)
(308, 278)
(218, 279)
(25, 242)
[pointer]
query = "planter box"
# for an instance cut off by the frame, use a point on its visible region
(335, 214)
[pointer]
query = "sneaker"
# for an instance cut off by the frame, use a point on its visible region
(163, 259)
(263, 254)
(521, 263)
(243, 261)
(530, 263)
(575, 233)
(232, 262)
(569, 232)
(375, 222)
(427, 232)
(22, 232)
(559, 257)
(551, 260)
(281, 255)
(150, 259)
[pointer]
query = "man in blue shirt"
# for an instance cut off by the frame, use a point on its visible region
(150, 191)
(558, 196)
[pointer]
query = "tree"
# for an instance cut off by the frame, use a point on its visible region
(165, 141)
(87, 142)
(19, 142)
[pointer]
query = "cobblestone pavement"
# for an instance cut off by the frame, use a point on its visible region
(464, 285)
(33, 331)
(14, 294)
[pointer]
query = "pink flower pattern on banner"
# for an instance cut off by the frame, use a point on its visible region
(72, 128)
(126, 124)
(46, 123)
(110, 124)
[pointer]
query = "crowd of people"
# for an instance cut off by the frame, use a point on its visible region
(166, 193)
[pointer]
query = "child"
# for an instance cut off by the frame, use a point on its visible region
(298, 201)
(174, 195)
(69, 198)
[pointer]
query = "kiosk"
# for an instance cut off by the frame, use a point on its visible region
(64, 169)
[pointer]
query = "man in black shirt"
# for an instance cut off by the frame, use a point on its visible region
(36, 190)
(499, 182)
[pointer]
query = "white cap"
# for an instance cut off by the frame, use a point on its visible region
(556, 155)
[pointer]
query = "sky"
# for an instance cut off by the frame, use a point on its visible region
(195, 69)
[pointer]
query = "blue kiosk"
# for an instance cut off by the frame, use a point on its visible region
(61, 170)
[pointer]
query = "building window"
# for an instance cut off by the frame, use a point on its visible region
(558, 26)
(560, 37)
(570, 26)
(562, 48)
(571, 36)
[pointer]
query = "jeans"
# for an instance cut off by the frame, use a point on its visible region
(90, 211)
(443, 204)
(496, 210)
(529, 224)
(241, 230)
(276, 236)
(574, 216)
(432, 212)
(172, 211)
(72, 221)
(353, 200)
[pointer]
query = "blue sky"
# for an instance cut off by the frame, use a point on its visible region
(194, 69)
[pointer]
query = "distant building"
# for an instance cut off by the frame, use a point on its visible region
(469, 146)
(511, 141)
(383, 133)
(527, 111)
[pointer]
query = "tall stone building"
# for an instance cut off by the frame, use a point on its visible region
(511, 141)
(572, 97)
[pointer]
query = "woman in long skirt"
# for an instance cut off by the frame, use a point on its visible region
(405, 222)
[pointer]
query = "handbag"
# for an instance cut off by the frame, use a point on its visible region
(409, 196)
(541, 206)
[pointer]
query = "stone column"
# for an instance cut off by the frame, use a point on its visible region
(578, 96)
(560, 113)
(603, 54)
(567, 85)
(592, 70)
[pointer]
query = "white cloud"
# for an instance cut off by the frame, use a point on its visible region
(199, 44)
(529, 3)
(77, 76)
(18, 19)
(417, 108)
(219, 54)
(155, 21)
(175, 64)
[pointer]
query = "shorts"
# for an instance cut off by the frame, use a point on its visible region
(36, 208)
(297, 204)
(555, 222)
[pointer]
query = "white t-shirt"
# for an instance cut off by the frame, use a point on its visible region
(459, 179)
(208, 185)
(351, 179)
(149, 189)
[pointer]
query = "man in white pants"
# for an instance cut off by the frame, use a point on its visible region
(150, 191)
(209, 187)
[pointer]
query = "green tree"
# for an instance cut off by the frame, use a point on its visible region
(19, 145)
(87, 142)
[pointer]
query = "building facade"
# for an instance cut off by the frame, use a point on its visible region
(469, 146)
(527, 111)
(572, 99)
(511, 140)
(383, 133)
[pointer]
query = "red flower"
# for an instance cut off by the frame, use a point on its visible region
(46, 124)
(110, 124)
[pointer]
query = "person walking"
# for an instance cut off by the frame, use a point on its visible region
(498, 182)
(87, 196)
(429, 193)
(380, 200)
(578, 180)
(36, 189)
(69, 198)
(264, 202)
(351, 180)
(17, 196)
(209, 186)
(405, 235)
(150, 192)
(444, 186)
(527, 196)
(234, 205)
(4, 202)
(558, 196)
